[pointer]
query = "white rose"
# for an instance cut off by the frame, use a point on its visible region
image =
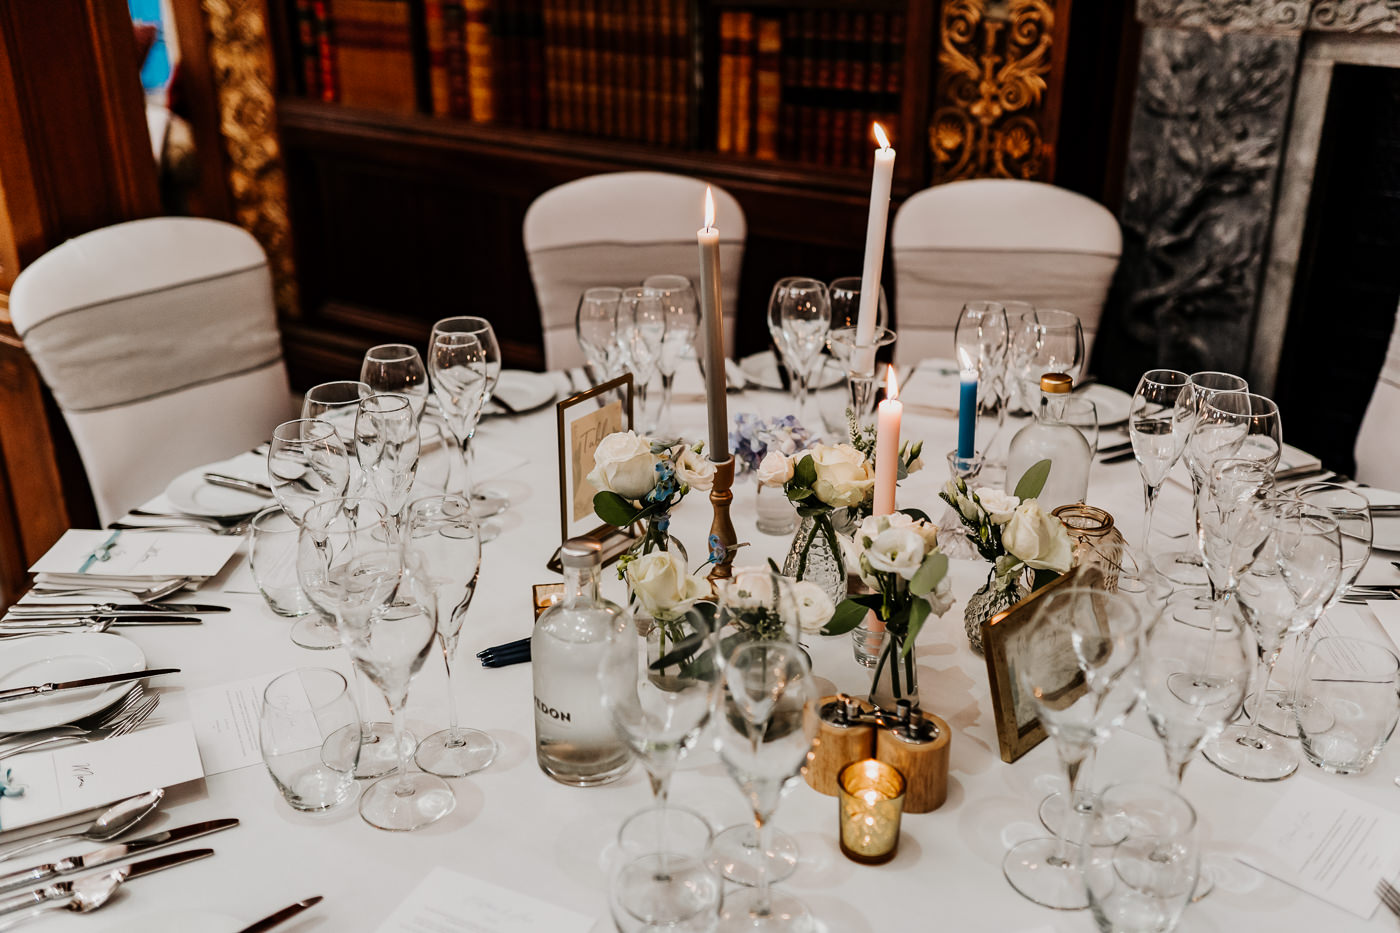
(897, 550)
(624, 464)
(1038, 539)
(695, 470)
(844, 478)
(749, 588)
(775, 469)
(814, 607)
(999, 505)
(662, 585)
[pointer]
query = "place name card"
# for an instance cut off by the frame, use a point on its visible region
(449, 902)
(139, 554)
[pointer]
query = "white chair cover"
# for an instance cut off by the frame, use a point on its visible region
(997, 239)
(1378, 441)
(158, 339)
(617, 229)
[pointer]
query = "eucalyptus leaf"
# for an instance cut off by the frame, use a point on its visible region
(805, 473)
(847, 616)
(918, 612)
(681, 651)
(930, 573)
(1033, 480)
(614, 509)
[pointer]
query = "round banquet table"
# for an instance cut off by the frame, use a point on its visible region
(518, 829)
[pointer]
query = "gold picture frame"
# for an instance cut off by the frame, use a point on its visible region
(583, 421)
(1018, 727)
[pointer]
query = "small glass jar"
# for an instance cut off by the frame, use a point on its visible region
(1098, 545)
(870, 798)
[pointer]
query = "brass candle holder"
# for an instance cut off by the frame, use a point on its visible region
(722, 527)
(870, 797)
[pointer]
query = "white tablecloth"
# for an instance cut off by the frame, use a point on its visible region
(516, 828)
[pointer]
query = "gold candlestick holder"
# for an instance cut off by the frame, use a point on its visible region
(722, 528)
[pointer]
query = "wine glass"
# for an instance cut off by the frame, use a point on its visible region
(596, 325)
(1230, 531)
(1254, 418)
(337, 403)
(396, 368)
(1352, 512)
(980, 339)
(1078, 668)
(1284, 591)
(307, 464)
(802, 309)
(387, 445)
(763, 739)
(845, 304)
(458, 365)
(442, 556)
(485, 500)
(1046, 340)
(1158, 429)
(349, 563)
(677, 298)
(641, 326)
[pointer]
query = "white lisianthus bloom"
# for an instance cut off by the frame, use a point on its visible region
(1037, 538)
(775, 469)
(695, 470)
(941, 599)
(662, 585)
(999, 505)
(914, 466)
(623, 463)
(814, 607)
(844, 477)
(897, 550)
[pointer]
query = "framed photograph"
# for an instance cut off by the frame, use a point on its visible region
(1004, 639)
(584, 420)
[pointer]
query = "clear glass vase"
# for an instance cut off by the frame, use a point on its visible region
(987, 602)
(896, 677)
(816, 556)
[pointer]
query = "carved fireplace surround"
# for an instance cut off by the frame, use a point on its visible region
(1226, 127)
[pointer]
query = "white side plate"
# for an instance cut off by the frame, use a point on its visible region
(26, 661)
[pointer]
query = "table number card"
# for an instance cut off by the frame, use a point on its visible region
(448, 902)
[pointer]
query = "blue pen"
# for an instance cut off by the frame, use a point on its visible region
(102, 552)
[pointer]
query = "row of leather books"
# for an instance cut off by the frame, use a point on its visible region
(806, 86)
(620, 69)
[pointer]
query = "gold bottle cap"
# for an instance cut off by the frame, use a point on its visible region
(1056, 383)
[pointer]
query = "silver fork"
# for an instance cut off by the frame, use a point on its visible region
(1389, 896)
(121, 726)
(237, 529)
(96, 625)
(97, 720)
(150, 594)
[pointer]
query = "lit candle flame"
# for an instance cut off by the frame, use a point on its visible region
(891, 384)
(880, 137)
(966, 360)
(709, 209)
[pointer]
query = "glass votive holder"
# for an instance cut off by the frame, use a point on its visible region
(870, 797)
(966, 469)
(272, 556)
(776, 514)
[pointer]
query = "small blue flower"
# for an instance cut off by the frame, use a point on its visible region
(717, 549)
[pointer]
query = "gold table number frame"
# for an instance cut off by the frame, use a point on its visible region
(583, 421)
(1018, 727)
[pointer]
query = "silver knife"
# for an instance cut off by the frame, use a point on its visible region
(249, 486)
(64, 889)
(111, 609)
(1387, 507)
(281, 916)
(35, 690)
(112, 853)
(48, 621)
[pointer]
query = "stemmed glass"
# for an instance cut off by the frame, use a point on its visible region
(980, 338)
(387, 445)
(1079, 670)
(442, 556)
(307, 464)
(485, 501)
(801, 309)
(1046, 340)
(1252, 418)
(763, 740)
(677, 298)
(1158, 429)
(845, 304)
(1284, 591)
(641, 329)
(1352, 512)
(1230, 531)
(397, 369)
(458, 363)
(349, 563)
(596, 325)
(336, 402)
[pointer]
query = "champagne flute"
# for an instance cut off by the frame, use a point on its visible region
(596, 325)
(307, 464)
(1047, 340)
(396, 368)
(485, 501)
(387, 445)
(1079, 670)
(763, 740)
(1158, 428)
(677, 298)
(981, 337)
(442, 557)
(349, 563)
(804, 317)
(641, 326)
(458, 365)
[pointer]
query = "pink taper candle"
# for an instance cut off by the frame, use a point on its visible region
(890, 412)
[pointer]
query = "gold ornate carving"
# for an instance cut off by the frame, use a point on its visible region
(242, 64)
(994, 57)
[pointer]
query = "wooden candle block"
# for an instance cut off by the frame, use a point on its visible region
(839, 742)
(921, 755)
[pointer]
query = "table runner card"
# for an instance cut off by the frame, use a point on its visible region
(1329, 844)
(80, 777)
(449, 902)
(140, 554)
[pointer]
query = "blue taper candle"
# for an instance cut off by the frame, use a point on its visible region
(967, 415)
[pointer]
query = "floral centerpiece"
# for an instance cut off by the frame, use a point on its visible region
(639, 480)
(1016, 535)
(664, 594)
(898, 558)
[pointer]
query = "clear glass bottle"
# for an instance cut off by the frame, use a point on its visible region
(575, 742)
(1050, 437)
